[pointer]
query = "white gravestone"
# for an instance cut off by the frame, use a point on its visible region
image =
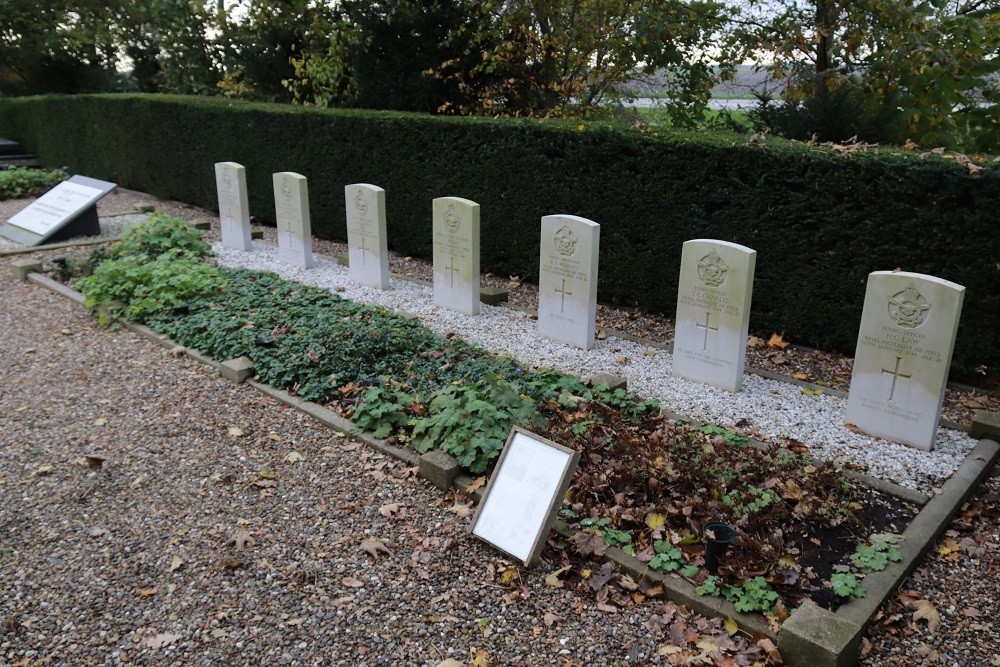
(456, 254)
(366, 237)
(234, 211)
(907, 335)
(524, 493)
(713, 312)
(567, 279)
(291, 206)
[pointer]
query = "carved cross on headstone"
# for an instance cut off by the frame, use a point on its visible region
(895, 376)
(452, 270)
(707, 328)
(562, 296)
(364, 250)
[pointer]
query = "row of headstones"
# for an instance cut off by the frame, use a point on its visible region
(908, 324)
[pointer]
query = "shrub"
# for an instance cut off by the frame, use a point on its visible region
(25, 182)
(156, 266)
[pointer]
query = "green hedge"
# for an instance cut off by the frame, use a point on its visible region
(820, 222)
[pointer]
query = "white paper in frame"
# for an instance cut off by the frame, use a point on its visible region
(524, 493)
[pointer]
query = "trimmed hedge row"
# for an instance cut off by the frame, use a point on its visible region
(820, 222)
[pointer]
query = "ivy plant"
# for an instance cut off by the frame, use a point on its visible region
(753, 595)
(876, 557)
(845, 584)
(669, 558)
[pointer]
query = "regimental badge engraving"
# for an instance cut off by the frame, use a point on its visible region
(451, 219)
(712, 270)
(227, 178)
(565, 241)
(286, 189)
(360, 202)
(908, 308)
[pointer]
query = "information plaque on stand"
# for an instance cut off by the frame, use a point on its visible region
(524, 494)
(66, 211)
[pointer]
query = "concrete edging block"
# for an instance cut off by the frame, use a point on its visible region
(23, 267)
(237, 370)
(985, 424)
(815, 637)
(493, 296)
(439, 468)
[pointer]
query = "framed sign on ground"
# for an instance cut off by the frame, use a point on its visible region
(66, 211)
(524, 494)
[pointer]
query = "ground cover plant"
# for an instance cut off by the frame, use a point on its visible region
(646, 484)
(28, 182)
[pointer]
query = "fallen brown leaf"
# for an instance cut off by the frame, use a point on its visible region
(175, 563)
(926, 611)
(777, 341)
(476, 483)
(552, 579)
(160, 640)
(375, 547)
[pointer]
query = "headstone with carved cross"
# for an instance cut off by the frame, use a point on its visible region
(291, 205)
(713, 312)
(907, 335)
(456, 254)
(366, 240)
(234, 211)
(567, 279)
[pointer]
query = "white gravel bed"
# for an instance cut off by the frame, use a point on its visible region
(773, 409)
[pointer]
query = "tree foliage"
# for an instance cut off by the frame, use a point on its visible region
(380, 55)
(922, 71)
(56, 46)
(544, 58)
(885, 70)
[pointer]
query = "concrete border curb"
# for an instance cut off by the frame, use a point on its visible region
(812, 636)
(57, 246)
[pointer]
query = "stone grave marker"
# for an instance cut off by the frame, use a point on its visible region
(567, 280)
(524, 493)
(366, 238)
(234, 210)
(456, 254)
(65, 211)
(907, 335)
(291, 206)
(713, 312)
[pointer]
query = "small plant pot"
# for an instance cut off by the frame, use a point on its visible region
(263, 342)
(183, 309)
(722, 535)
